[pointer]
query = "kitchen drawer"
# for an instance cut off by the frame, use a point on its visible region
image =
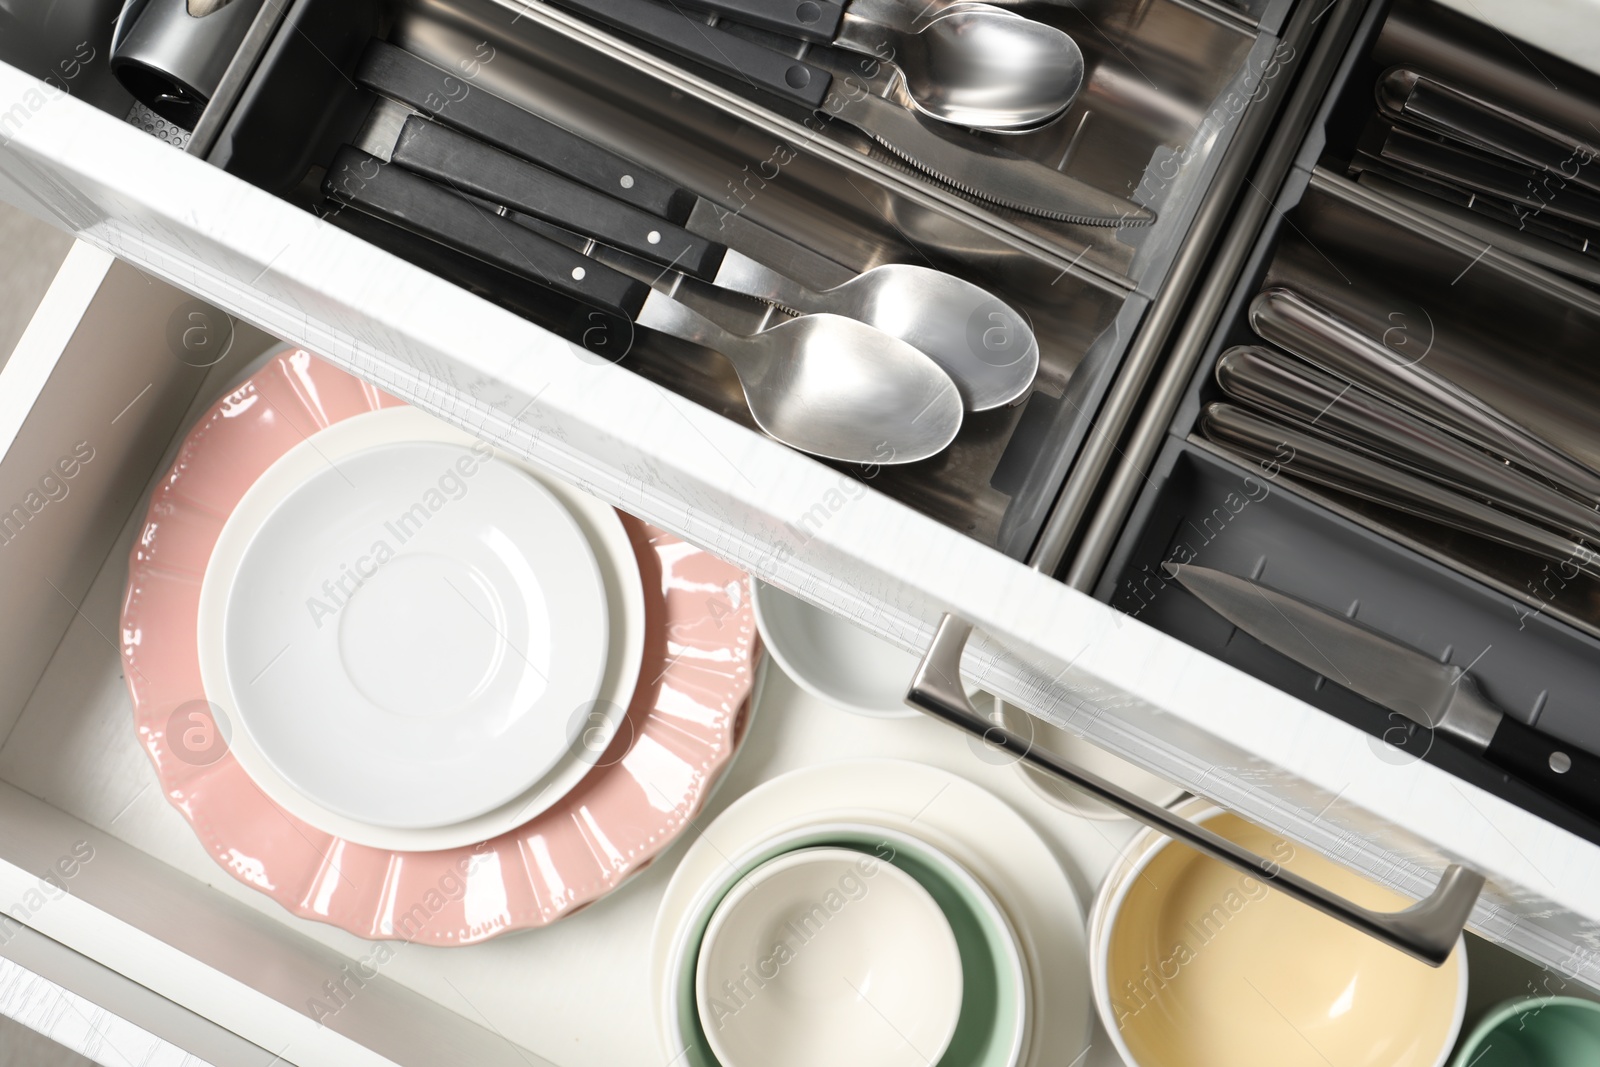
(133, 890)
(828, 534)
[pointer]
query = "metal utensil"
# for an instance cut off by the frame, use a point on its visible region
(1293, 391)
(971, 64)
(968, 164)
(1288, 319)
(830, 386)
(1532, 193)
(981, 342)
(1435, 695)
(826, 385)
(1405, 95)
(447, 98)
(1319, 460)
(981, 170)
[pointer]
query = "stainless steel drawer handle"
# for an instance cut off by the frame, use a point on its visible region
(1427, 929)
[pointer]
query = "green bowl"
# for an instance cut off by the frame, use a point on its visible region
(991, 1030)
(1535, 1032)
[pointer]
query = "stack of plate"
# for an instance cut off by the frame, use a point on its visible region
(870, 912)
(412, 687)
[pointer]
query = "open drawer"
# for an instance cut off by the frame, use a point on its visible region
(99, 872)
(880, 557)
(108, 892)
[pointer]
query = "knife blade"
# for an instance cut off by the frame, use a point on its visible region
(1436, 695)
(981, 170)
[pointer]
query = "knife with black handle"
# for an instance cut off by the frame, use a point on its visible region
(1436, 695)
(760, 67)
(816, 21)
(604, 333)
(366, 183)
(454, 100)
(457, 161)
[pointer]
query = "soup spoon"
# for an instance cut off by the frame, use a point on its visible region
(976, 66)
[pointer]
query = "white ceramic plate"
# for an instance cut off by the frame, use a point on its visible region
(621, 643)
(973, 826)
(854, 963)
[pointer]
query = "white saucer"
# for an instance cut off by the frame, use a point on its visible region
(515, 764)
(972, 825)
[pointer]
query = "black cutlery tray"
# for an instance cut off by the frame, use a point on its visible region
(1528, 630)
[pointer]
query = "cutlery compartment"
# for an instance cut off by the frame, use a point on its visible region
(1166, 84)
(1511, 333)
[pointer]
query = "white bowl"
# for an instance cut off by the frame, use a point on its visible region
(828, 956)
(831, 658)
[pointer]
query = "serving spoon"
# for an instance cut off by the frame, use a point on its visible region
(823, 384)
(980, 341)
(977, 339)
(828, 385)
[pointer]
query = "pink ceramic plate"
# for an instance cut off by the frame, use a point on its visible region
(675, 741)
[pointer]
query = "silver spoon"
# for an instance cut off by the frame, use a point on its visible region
(981, 342)
(974, 66)
(827, 385)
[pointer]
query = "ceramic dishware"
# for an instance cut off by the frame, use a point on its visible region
(680, 731)
(1534, 1032)
(410, 631)
(832, 658)
(587, 730)
(977, 830)
(1196, 965)
(1080, 753)
(852, 962)
(992, 1030)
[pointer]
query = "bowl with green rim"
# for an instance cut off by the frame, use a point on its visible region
(1534, 1032)
(992, 1030)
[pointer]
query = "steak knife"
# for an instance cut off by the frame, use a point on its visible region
(1436, 695)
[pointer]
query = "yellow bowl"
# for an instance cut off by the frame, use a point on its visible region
(1198, 965)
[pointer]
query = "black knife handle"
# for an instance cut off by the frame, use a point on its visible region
(675, 31)
(604, 333)
(455, 101)
(395, 194)
(1565, 773)
(809, 20)
(458, 162)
